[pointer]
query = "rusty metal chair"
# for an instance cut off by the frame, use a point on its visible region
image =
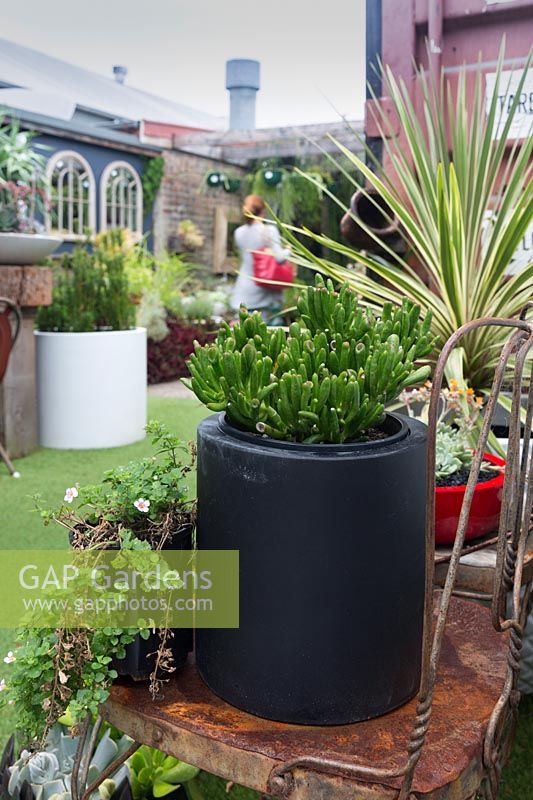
(10, 323)
(453, 740)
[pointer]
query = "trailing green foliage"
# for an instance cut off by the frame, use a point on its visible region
(151, 181)
(58, 668)
(135, 508)
(327, 381)
(294, 199)
(91, 293)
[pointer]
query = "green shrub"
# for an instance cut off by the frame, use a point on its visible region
(328, 380)
(91, 293)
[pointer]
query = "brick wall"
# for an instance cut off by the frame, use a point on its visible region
(183, 195)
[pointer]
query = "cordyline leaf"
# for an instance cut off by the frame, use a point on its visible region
(464, 201)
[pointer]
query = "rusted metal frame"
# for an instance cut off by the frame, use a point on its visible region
(110, 770)
(474, 548)
(508, 349)
(513, 499)
(525, 309)
(89, 751)
(525, 487)
(84, 751)
(78, 757)
(483, 597)
(281, 780)
(433, 641)
(510, 566)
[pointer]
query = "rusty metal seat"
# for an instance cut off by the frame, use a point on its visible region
(10, 322)
(193, 724)
(452, 741)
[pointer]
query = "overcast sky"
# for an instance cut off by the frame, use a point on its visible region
(311, 54)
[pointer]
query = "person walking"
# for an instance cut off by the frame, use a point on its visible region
(256, 234)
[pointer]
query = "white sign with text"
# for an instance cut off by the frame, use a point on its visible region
(508, 86)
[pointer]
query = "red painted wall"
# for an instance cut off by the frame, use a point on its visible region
(464, 30)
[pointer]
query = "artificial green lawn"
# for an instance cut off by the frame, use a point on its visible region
(50, 472)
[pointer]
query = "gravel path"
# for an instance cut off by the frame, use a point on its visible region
(171, 389)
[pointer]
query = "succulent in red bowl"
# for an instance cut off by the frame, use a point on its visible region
(485, 508)
(458, 421)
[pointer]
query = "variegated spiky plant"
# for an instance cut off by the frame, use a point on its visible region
(462, 191)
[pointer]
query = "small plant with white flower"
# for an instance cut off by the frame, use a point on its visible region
(140, 506)
(149, 497)
(70, 494)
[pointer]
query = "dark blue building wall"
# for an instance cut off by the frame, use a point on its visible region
(98, 157)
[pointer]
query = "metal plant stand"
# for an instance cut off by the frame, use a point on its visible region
(452, 741)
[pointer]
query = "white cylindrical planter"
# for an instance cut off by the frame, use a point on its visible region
(91, 388)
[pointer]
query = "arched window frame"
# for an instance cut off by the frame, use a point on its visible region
(51, 165)
(137, 228)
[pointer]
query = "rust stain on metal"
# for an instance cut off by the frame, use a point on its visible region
(468, 686)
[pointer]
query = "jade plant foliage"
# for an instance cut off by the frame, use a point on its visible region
(325, 381)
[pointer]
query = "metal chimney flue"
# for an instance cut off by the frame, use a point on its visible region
(242, 82)
(120, 73)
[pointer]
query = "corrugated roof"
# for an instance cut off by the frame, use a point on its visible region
(44, 77)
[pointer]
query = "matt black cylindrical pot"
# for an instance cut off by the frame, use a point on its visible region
(331, 543)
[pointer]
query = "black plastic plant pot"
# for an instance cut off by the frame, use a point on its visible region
(331, 543)
(140, 658)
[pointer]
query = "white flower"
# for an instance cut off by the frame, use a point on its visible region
(70, 494)
(3, 685)
(142, 505)
(10, 658)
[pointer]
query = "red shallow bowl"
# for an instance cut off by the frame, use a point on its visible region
(484, 511)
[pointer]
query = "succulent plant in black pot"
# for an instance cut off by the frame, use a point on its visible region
(323, 493)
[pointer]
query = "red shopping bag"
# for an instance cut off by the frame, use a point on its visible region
(269, 273)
